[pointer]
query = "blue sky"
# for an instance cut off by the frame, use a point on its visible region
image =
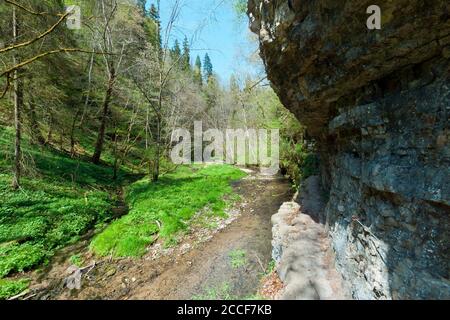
(212, 26)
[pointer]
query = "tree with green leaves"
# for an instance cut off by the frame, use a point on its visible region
(240, 7)
(28, 65)
(118, 40)
(153, 12)
(155, 17)
(186, 58)
(176, 51)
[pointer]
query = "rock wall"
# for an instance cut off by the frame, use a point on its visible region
(378, 104)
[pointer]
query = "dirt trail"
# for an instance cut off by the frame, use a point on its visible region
(197, 269)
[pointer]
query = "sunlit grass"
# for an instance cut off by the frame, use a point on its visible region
(238, 258)
(10, 288)
(161, 210)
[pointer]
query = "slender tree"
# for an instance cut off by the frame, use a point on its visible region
(108, 11)
(155, 39)
(154, 82)
(234, 85)
(18, 102)
(117, 42)
(198, 71)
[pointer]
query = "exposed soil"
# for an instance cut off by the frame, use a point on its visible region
(199, 267)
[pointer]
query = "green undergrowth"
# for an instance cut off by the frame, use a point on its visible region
(43, 217)
(10, 288)
(223, 292)
(60, 199)
(164, 209)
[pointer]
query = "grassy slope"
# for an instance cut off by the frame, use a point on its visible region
(164, 209)
(64, 198)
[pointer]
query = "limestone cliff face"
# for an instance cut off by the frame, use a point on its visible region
(378, 104)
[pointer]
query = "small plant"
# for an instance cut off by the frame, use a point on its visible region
(10, 288)
(271, 267)
(238, 258)
(254, 297)
(165, 209)
(76, 260)
(20, 257)
(222, 292)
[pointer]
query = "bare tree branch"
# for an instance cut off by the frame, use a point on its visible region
(42, 55)
(256, 84)
(31, 11)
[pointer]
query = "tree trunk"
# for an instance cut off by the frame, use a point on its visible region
(50, 129)
(72, 133)
(34, 125)
(61, 140)
(155, 176)
(18, 102)
(116, 155)
(101, 132)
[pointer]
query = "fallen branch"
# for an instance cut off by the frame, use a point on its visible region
(24, 293)
(260, 263)
(30, 296)
(366, 229)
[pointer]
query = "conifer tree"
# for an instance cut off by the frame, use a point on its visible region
(142, 6)
(207, 67)
(186, 59)
(198, 71)
(176, 51)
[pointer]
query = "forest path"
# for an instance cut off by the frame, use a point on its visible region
(229, 265)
